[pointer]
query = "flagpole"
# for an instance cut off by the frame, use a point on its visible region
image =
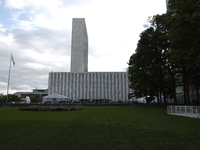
(9, 78)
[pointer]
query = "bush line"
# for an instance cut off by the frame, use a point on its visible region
(51, 108)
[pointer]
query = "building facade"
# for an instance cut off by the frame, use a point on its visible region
(90, 85)
(79, 46)
(39, 93)
(81, 84)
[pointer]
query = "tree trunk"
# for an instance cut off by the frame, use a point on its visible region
(174, 94)
(158, 98)
(185, 99)
(186, 87)
(160, 94)
(147, 99)
(164, 95)
(197, 91)
(172, 76)
(197, 80)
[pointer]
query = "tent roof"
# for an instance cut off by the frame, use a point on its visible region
(55, 96)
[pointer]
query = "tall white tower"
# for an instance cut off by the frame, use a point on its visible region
(79, 46)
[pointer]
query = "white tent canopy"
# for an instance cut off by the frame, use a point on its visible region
(25, 100)
(55, 98)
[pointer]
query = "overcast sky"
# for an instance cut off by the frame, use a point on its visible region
(38, 34)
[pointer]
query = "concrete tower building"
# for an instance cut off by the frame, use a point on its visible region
(79, 46)
(81, 84)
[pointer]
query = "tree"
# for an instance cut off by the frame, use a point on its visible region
(161, 26)
(35, 99)
(144, 69)
(3, 99)
(11, 97)
(184, 34)
(150, 72)
(168, 53)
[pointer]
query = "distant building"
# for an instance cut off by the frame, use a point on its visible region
(90, 85)
(55, 98)
(79, 84)
(39, 93)
(79, 46)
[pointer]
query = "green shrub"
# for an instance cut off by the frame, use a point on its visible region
(50, 108)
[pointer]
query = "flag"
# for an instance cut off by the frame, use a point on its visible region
(12, 59)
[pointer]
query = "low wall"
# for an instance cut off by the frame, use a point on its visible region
(187, 111)
(21, 105)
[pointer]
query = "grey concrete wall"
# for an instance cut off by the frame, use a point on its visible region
(91, 85)
(79, 46)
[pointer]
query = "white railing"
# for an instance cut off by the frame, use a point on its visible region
(188, 111)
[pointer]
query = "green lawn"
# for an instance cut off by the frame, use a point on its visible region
(98, 128)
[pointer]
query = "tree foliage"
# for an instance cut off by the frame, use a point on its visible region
(9, 98)
(168, 53)
(183, 17)
(148, 67)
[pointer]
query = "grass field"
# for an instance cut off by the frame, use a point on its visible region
(98, 128)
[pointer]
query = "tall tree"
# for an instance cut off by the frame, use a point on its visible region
(145, 67)
(184, 33)
(161, 26)
(150, 71)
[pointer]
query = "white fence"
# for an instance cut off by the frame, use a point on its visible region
(188, 111)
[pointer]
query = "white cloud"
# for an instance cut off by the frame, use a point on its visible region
(3, 83)
(36, 4)
(24, 87)
(19, 4)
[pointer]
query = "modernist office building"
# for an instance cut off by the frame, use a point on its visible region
(81, 84)
(36, 93)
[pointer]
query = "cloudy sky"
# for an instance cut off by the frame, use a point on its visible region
(38, 34)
